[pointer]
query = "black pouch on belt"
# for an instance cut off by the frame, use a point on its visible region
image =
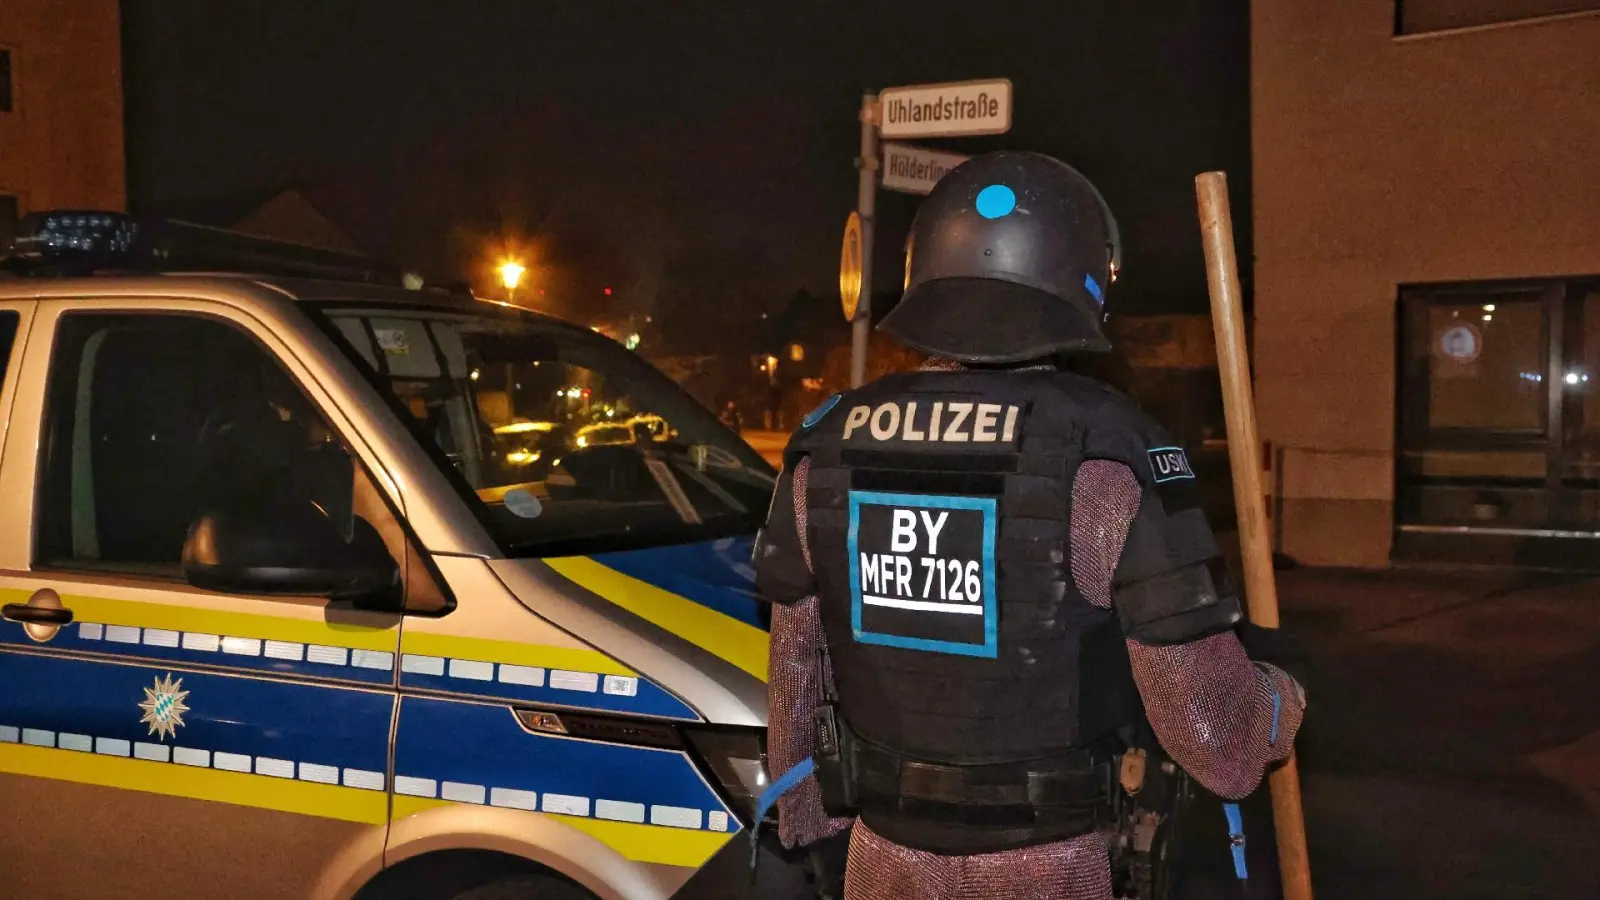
(835, 763)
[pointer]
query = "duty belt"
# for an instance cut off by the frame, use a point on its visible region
(1063, 791)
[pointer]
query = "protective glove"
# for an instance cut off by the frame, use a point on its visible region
(1279, 648)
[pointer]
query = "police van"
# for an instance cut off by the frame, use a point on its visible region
(310, 588)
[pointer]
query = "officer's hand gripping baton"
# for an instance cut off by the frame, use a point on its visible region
(1244, 452)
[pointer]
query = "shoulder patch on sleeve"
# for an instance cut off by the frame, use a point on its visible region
(1169, 464)
(815, 416)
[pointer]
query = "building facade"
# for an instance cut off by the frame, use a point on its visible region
(60, 107)
(1427, 277)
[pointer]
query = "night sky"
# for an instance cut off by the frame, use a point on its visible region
(618, 133)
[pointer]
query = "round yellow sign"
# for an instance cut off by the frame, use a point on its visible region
(850, 268)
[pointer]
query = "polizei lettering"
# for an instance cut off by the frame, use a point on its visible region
(951, 422)
(943, 108)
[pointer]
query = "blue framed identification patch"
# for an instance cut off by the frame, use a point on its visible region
(1169, 464)
(922, 572)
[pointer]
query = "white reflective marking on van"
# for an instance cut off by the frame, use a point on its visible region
(277, 768)
(189, 756)
(514, 799)
(328, 656)
(675, 817)
(112, 746)
(422, 665)
(69, 741)
(152, 752)
(364, 779)
(562, 680)
(531, 676)
(372, 659)
(415, 787)
(621, 685)
(239, 646)
(122, 634)
(294, 651)
(38, 737)
(462, 793)
(566, 805)
(619, 811)
(230, 762)
(208, 643)
(717, 820)
(160, 637)
(91, 631)
(9, 734)
(319, 774)
(471, 669)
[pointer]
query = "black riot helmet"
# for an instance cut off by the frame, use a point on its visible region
(1009, 259)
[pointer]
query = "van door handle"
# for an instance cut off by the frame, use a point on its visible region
(36, 615)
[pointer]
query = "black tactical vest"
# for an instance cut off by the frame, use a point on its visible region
(939, 508)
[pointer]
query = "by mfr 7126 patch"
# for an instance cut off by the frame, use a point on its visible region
(922, 572)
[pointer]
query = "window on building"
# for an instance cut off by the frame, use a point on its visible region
(1499, 421)
(5, 80)
(1420, 16)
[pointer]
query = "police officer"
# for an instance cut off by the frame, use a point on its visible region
(999, 609)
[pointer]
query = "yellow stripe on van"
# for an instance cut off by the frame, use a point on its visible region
(574, 659)
(324, 801)
(743, 645)
(208, 621)
(640, 843)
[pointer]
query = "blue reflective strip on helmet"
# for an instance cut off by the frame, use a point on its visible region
(1094, 289)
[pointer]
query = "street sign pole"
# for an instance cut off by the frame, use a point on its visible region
(866, 208)
(952, 109)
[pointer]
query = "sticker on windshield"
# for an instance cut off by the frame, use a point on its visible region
(522, 504)
(673, 491)
(703, 455)
(392, 341)
(922, 572)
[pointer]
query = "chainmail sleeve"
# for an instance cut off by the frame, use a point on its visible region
(1221, 716)
(796, 669)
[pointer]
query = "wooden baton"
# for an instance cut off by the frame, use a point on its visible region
(1244, 453)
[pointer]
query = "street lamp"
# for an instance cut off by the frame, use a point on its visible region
(510, 274)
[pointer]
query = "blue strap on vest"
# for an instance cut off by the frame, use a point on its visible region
(764, 803)
(1236, 838)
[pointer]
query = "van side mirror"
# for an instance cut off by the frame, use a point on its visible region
(289, 549)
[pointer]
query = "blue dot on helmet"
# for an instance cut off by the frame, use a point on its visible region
(995, 201)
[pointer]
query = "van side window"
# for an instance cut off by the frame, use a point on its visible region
(152, 419)
(9, 320)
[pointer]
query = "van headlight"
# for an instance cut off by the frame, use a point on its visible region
(737, 761)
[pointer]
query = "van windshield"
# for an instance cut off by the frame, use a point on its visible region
(563, 441)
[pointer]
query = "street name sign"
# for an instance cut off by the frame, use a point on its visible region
(953, 109)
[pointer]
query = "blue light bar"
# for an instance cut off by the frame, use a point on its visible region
(85, 242)
(68, 233)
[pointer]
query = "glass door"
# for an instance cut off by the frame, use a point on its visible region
(1474, 409)
(1499, 410)
(1579, 387)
